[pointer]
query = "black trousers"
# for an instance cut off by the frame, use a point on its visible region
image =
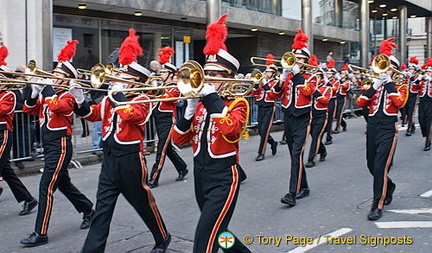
(409, 111)
(165, 148)
(18, 189)
(58, 153)
(216, 194)
(296, 133)
(425, 117)
(340, 106)
(331, 114)
(317, 128)
(265, 122)
(126, 174)
(380, 147)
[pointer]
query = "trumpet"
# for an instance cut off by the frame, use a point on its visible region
(100, 73)
(288, 61)
(191, 80)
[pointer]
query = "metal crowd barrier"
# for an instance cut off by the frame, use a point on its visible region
(27, 144)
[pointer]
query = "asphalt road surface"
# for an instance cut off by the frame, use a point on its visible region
(332, 219)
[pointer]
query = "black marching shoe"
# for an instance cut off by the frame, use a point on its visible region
(259, 158)
(304, 192)
(163, 246)
(182, 174)
(375, 214)
(28, 206)
(35, 240)
(344, 128)
(335, 131)
(389, 197)
(328, 142)
(282, 142)
(289, 199)
(427, 148)
(323, 157)
(1, 190)
(408, 133)
(152, 183)
(310, 164)
(87, 219)
(274, 148)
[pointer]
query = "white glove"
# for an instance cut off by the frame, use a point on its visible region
(285, 74)
(76, 91)
(192, 104)
(154, 83)
(408, 74)
(36, 89)
(117, 87)
(378, 82)
(385, 78)
(207, 89)
(427, 77)
(296, 69)
(326, 80)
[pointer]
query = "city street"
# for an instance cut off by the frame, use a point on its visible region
(332, 219)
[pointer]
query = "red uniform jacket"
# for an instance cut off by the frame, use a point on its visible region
(223, 132)
(168, 107)
(130, 123)
(335, 84)
(414, 85)
(322, 99)
(262, 92)
(393, 96)
(56, 110)
(298, 88)
(7, 109)
(344, 87)
(425, 89)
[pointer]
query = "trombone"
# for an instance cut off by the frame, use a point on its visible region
(100, 73)
(191, 80)
(288, 61)
(379, 65)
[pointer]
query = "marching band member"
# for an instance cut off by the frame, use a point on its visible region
(341, 99)
(55, 109)
(266, 108)
(321, 97)
(425, 105)
(410, 106)
(7, 111)
(334, 81)
(384, 98)
(215, 125)
(164, 114)
(123, 168)
(296, 89)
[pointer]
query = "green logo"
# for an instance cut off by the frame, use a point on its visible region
(226, 240)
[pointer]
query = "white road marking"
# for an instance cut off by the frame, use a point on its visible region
(412, 211)
(404, 224)
(427, 194)
(322, 239)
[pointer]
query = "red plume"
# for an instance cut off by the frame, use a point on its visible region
(331, 64)
(413, 60)
(269, 58)
(165, 55)
(300, 40)
(345, 67)
(216, 35)
(3, 54)
(403, 66)
(387, 46)
(313, 61)
(68, 52)
(428, 63)
(130, 49)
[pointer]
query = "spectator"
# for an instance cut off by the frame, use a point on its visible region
(329, 56)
